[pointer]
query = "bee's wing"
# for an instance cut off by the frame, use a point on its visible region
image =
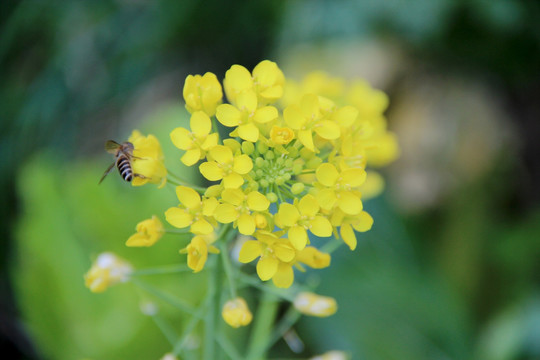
(107, 172)
(112, 146)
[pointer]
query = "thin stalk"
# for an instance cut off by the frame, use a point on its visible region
(228, 269)
(331, 246)
(262, 328)
(177, 303)
(228, 347)
(166, 329)
(170, 269)
(210, 318)
(181, 342)
(286, 295)
(176, 231)
(289, 319)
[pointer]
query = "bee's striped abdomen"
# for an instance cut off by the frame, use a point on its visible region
(124, 168)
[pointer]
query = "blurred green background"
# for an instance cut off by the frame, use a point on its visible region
(451, 269)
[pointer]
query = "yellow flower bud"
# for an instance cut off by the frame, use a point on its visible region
(149, 231)
(107, 270)
(202, 93)
(315, 305)
(281, 136)
(236, 313)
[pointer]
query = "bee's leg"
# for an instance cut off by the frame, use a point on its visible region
(141, 176)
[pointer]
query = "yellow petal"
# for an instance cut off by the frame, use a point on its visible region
(211, 171)
(348, 236)
(327, 174)
(242, 164)
(210, 141)
(309, 105)
(188, 197)
(327, 130)
(293, 117)
(250, 250)
(221, 154)
(284, 253)
(364, 222)
(267, 73)
(233, 181)
(225, 213)
(298, 237)
(200, 124)
(353, 177)
(320, 226)
(209, 206)
(247, 101)
(248, 132)
(267, 267)
(306, 138)
(326, 198)
(238, 78)
(181, 138)
(233, 196)
(202, 227)
(246, 224)
(265, 114)
(308, 205)
(346, 116)
(228, 115)
(314, 258)
(257, 201)
(349, 203)
(191, 157)
(288, 214)
(284, 277)
(179, 218)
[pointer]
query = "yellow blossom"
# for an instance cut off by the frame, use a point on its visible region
(236, 313)
(202, 93)
(198, 141)
(193, 211)
(301, 216)
(107, 270)
(245, 116)
(308, 117)
(148, 232)
(276, 258)
(147, 160)
(198, 249)
(266, 82)
(281, 136)
(241, 209)
(338, 188)
(315, 305)
(224, 165)
(361, 222)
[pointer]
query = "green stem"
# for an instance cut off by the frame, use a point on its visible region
(177, 303)
(176, 231)
(166, 329)
(176, 180)
(228, 347)
(262, 328)
(228, 269)
(181, 343)
(161, 270)
(331, 245)
(210, 318)
(289, 319)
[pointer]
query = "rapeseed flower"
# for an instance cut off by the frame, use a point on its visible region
(107, 270)
(148, 232)
(147, 161)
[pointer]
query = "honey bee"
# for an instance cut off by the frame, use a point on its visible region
(123, 153)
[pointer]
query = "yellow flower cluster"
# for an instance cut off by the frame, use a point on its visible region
(294, 164)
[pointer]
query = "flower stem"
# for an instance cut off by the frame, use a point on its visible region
(210, 318)
(228, 269)
(170, 269)
(262, 328)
